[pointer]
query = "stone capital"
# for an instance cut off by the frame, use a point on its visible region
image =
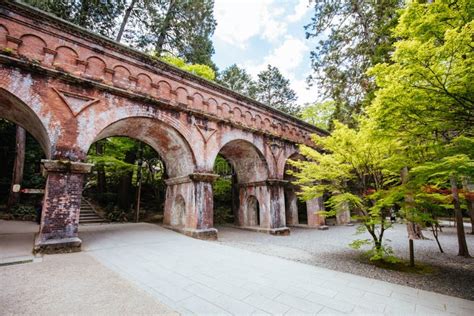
(203, 177)
(277, 182)
(64, 166)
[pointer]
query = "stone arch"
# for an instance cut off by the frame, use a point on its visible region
(178, 212)
(144, 83)
(295, 212)
(182, 96)
(212, 106)
(226, 110)
(121, 77)
(248, 118)
(95, 68)
(164, 90)
(66, 59)
(32, 47)
(3, 35)
(237, 114)
(168, 142)
(198, 101)
(15, 110)
(258, 121)
(247, 160)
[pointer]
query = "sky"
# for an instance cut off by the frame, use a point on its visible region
(255, 33)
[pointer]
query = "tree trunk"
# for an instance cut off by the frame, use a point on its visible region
(125, 20)
(125, 193)
(463, 251)
(413, 229)
(101, 180)
(469, 188)
(164, 28)
(18, 166)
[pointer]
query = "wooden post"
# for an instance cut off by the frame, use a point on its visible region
(18, 166)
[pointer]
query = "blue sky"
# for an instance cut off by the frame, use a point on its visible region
(255, 33)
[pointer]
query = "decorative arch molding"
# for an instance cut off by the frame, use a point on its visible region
(25, 113)
(248, 160)
(170, 144)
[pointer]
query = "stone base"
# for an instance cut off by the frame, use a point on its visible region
(206, 234)
(64, 245)
(282, 231)
(306, 226)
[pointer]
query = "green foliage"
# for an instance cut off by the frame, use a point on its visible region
(352, 169)
(23, 212)
(178, 27)
(274, 90)
(222, 192)
(97, 15)
(200, 70)
(351, 36)
(238, 80)
(427, 92)
(319, 114)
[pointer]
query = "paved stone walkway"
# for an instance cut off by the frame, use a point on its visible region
(199, 277)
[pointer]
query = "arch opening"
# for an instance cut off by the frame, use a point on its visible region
(147, 152)
(16, 111)
(243, 171)
(296, 210)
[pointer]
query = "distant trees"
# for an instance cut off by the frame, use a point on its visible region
(274, 90)
(238, 80)
(271, 87)
(319, 114)
(352, 37)
(413, 148)
(178, 27)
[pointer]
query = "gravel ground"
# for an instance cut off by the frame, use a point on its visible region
(449, 273)
(71, 284)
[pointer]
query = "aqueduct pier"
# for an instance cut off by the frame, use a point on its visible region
(70, 88)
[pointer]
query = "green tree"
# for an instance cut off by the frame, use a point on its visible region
(96, 15)
(197, 69)
(319, 114)
(274, 90)
(178, 27)
(238, 80)
(352, 169)
(426, 97)
(351, 36)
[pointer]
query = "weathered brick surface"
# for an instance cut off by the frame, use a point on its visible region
(70, 88)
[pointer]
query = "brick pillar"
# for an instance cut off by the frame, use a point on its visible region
(291, 207)
(343, 217)
(195, 190)
(271, 199)
(61, 206)
(314, 207)
(276, 188)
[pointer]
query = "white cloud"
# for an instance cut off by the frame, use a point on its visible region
(287, 57)
(300, 10)
(305, 94)
(240, 20)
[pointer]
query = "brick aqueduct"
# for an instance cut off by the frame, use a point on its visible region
(69, 88)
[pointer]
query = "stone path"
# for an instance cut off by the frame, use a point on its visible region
(199, 277)
(16, 241)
